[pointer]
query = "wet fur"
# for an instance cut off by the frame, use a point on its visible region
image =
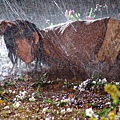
(22, 29)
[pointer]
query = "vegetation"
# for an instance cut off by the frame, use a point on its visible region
(44, 98)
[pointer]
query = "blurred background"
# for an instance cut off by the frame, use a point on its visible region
(49, 12)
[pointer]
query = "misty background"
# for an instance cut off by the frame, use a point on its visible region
(44, 12)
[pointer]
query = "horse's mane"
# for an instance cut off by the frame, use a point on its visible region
(22, 29)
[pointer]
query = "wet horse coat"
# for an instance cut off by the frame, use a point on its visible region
(79, 48)
(84, 48)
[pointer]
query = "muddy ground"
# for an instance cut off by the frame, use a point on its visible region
(51, 99)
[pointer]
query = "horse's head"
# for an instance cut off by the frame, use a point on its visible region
(27, 47)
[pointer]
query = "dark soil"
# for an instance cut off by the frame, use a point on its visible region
(55, 99)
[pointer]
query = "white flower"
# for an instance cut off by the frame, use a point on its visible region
(16, 104)
(32, 99)
(14, 99)
(75, 87)
(44, 110)
(10, 91)
(69, 110)
(100, 80)
(6, 107)
(89, 112)
(65, 100)
(14, 92)
(62, 111)
(47, 118)
(94, 82)
(81, 89)
(80, 86)
(21, 95)
(108, 103)
(2, 85)
(56, 99)
(104, 80)
(117, 83)
(33, 94)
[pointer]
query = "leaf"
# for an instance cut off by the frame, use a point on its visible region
(38, 90)
(42, 79)
(116, 101)
(78, 14)
(104, 112)
(47, 101)
(50, 101)
(21, 78)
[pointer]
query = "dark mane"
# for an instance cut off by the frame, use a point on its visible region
(22, 30)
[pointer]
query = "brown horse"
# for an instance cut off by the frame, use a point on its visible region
(84, 48)
(79, 48)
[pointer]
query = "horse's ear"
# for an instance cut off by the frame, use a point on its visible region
(3, 26)
(3, 23)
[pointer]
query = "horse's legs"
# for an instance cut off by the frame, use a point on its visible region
(38, 61)
(14, 60)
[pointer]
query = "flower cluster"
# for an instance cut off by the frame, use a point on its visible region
(21, 95)
(97, 12)
(113, 91)
(112, 112)
(71, 15)
(90, 113)
(92, 84)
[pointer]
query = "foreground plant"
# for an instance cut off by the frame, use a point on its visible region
(58, 101)
(112, 111)
(114, 92)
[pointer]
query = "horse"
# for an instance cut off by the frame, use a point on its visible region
(84, 48)
(78, 49)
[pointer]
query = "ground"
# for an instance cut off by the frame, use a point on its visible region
(43, 98)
